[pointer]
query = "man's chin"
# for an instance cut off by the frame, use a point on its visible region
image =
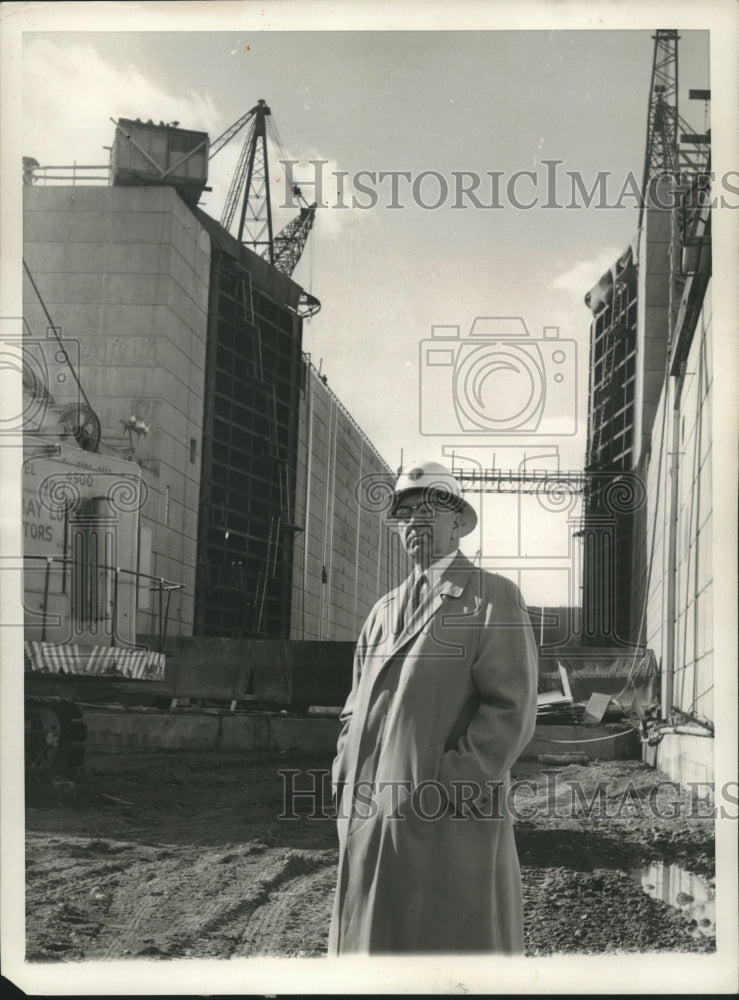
(420, 555)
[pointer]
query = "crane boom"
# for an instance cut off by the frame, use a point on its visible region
(250, 188)
(231, 131)
(664, 153)
(290, 241)
(237, 184)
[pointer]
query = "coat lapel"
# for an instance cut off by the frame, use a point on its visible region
(450, 586)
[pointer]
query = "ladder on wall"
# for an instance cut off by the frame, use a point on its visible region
(246, 300)
(270, 566)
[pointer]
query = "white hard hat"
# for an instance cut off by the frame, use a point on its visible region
(434, 478)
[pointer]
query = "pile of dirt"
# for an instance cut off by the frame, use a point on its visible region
(155, 853)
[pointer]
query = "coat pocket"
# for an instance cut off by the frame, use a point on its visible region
(437, 752)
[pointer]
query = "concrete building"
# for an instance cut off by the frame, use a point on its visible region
(186, 349)
(247, 524)
(608, 528)
(80, 527)
(346, 556)
(673, 599)
(124, 274)
(651, 572)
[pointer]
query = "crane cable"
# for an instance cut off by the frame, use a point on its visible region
(54, 328)
(274, 135)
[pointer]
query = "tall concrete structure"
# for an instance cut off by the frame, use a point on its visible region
(673, 593)
(608, 529)
(187, 348)
(124, 274)
(247, 518)
(345, 556)
(658, 554)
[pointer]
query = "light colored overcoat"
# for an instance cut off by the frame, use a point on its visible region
(454, 697)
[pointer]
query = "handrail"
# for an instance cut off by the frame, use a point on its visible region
(159, 585)
(167, 584)
(76, 172)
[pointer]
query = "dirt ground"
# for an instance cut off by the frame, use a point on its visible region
(181, 853)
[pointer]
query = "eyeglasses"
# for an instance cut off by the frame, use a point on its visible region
(424, 511)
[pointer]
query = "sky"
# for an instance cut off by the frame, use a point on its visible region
(438, 103)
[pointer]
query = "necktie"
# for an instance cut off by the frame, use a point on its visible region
(418, 596)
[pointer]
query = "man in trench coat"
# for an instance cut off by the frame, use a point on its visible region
(443, 701)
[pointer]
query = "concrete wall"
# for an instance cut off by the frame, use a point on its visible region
(653, 297)
(685, 758)
(688, 760)
(210, 731)
(694, 584)
(125, 273)
(344, 558)
(693, 631)
(266, 731)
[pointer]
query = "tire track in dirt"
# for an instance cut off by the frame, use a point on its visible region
(233, 923)
(284, 924)
(109, 899)
(46, 881)
(203, 867)
(227, 890)
(181, 905)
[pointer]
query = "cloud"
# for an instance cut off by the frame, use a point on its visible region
(70, 94)
(580, 277)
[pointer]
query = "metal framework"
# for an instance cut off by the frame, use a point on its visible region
(250, 188)
(526, 481)
(661, 149)
(290, 242)
(613, 377)
(250, 184)
(672, 147)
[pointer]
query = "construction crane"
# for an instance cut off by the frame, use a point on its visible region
(250, 189)
(288, 245)
(675, 155)
(669, 137)
(673, 150)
